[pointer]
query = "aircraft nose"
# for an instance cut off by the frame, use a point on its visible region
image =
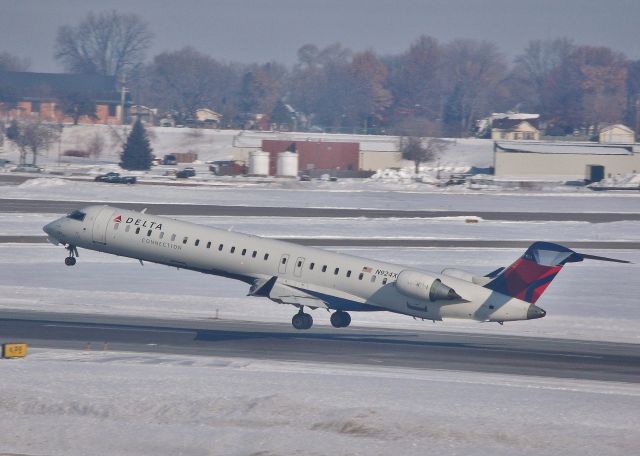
(535, 312)
(48, 228)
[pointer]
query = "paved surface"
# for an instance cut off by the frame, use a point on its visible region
(369, 242)
(63, 207)
(430, 349)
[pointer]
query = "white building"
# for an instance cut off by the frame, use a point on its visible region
(617, 134)
(563, 161)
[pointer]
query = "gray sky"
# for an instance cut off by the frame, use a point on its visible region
(263, 30)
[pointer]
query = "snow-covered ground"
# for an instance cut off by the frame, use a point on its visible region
(344, 193)
(589, 300)
(102, 403)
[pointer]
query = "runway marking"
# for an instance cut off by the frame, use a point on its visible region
(567, 355)
(185, 331)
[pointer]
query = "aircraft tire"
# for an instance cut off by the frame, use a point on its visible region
(340, 319)
(69, 261)
(302, 321)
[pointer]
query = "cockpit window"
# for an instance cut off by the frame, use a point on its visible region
(77, 215)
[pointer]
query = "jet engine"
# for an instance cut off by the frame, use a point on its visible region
(421, 286)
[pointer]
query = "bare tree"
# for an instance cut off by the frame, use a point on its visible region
(33, 136)
(10, 62)
(420, 151)
(108, 43)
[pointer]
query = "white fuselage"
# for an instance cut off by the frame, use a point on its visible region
(305, 276)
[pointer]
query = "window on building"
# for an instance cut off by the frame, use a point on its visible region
(112, 110)
(209, 244)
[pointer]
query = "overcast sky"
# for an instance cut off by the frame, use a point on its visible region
(263, 30)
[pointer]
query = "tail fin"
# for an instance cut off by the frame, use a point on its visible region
(531, 274)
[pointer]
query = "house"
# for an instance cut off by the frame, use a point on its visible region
(208, 117)
(510, 129)
(52, 96)
(145, 114)
(616, 134)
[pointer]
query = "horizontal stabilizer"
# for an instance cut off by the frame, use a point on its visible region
(601, 258)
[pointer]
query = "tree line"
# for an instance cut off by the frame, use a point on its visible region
(432, 88)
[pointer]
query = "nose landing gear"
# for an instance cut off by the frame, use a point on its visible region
(73, 253)
(302, 320)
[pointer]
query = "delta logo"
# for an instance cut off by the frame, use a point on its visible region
(139, 222)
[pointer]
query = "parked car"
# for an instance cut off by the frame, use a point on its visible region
(186, 172)
(169, 159)
(27, 168)
(115, 178)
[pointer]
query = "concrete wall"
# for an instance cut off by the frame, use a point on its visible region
(373, 161)
(528, 164)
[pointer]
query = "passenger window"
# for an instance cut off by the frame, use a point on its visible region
(138, 230)
(173, 237)
(197, 243)
(209, 244)
(299, 263)
(220, 247)
(348, 273)
(373, 278)
(384, 281)
(254, 254)
(335, 271)
(266, 256)
(244, 252)
(115, 227)
(311, 266)
(161, 234)
(233, 249)
(324, 268)
(360, 276)
(149, 233)
(127, 228)
(284, 261)
(186, 238)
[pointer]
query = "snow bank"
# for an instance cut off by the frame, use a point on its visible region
(630, 181)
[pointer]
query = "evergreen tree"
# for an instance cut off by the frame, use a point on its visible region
(136, 154)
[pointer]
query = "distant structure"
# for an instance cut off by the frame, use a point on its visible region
(564, 160)
(144, 113)
(43, 95)
(616, 134)
(515, 127)
(208, 118)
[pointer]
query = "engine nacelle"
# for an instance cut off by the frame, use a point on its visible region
(421, 286)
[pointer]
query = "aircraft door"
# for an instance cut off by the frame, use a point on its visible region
(297, 269)
(284, 259)
(101, 224)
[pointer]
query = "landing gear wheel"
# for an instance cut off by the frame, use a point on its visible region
(340, 319)
(70, 261)
(302, 320)
(73, 253)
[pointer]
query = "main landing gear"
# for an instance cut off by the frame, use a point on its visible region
(302, 320)
(340, 319)
(73, 253)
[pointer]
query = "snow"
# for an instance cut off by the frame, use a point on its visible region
(588, 301)
(78, 403)
(630, 181)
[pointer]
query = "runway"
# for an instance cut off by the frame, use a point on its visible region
(428, 349)
(62, 207)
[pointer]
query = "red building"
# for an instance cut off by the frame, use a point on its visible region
(315, 155)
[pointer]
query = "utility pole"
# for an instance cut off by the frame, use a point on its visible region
(123, 94)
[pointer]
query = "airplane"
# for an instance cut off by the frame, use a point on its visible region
(302, 276)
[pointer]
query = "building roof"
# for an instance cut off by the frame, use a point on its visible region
(510, 124)
(545, 147)
(43, 86)
(617, 126)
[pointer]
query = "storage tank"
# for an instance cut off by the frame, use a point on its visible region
(258, 163)
(287, 164)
